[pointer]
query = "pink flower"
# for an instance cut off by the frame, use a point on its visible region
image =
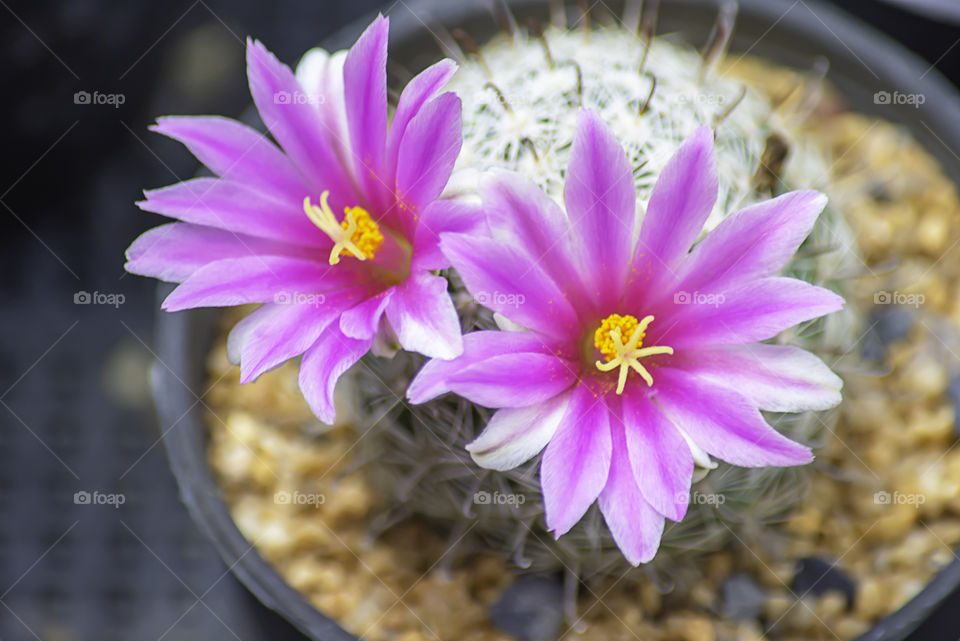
(268, 228)
(630, 352)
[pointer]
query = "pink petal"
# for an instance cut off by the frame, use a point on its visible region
(363, 320)
(277, 332)
(321, 75)
(576, 462)
(365, 95)
(424, 318)
(173, 252)
(680, 203)
(515, 435)
(754, 243)
(635, 525)
(258, 279)
(236, 207)
(478, 347)
(723, 422)
(443, 216)
(297, 126)
(513, 380)
(427, 153)
(520, 214)
(662, 463)
(750, 312)
(505, 280)
(601, 203)
(415, 95)
(234, 151)
(323, 364)
(777, 378)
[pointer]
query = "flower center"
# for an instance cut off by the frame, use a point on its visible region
(357, 234)
(609, 340)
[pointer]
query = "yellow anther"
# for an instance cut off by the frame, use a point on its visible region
(609, 340)
(357, 234)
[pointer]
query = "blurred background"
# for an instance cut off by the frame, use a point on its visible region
(75, 406)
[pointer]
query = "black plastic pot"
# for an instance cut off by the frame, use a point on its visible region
(862, 63)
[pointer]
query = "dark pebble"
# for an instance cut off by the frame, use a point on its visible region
(817, 576)
(887, 325)
(953, 393)
(531, 609)
(743, 599)
(880, 191)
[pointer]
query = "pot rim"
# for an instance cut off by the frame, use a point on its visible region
(793, 35)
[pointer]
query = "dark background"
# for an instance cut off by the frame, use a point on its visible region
(75, 405)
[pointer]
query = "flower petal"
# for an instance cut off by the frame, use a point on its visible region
(259, 279)
(723, 422)
(680, 203)
(236, 152)
(513, 380)
(365, 96)
(601, 202)
(297, 125)
(363, 320)
(236, 207)
(323, 364)
(576, 462)
(320, 74)
(753, 243)
(635, 525)
(277, 332)
(415, 95)
(427, 153)
(777, 378)
(750, 312)
(478, 347)
(515, 435)
(505, 280)
(520, 214)
(444, 216)
(173, 252)
(659, 457)
(424, 318)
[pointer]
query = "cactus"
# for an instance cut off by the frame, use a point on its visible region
(521, 93)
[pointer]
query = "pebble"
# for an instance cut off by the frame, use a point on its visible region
(743, 599)
(933, 232)
(531, 609)
(953, 394)
(926, 376)
(817, 576)
(887, 325)
(690, 627)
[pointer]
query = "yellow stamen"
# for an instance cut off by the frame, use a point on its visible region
(609, 340)
(357, 234)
